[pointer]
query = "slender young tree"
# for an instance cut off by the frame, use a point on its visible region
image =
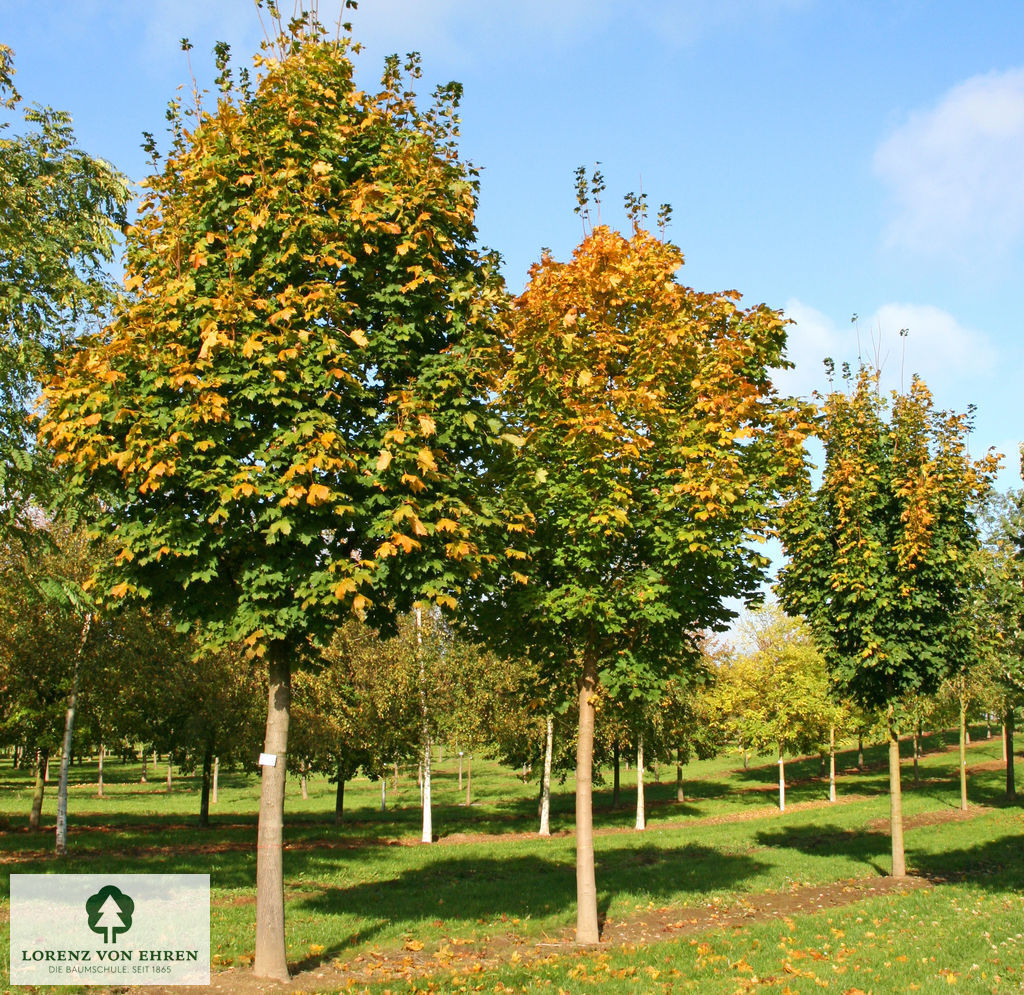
(655, 446)
(289, 411)
(879, 553)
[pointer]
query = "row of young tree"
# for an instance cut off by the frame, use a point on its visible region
(314, 399)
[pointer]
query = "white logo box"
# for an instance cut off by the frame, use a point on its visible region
(110, 929)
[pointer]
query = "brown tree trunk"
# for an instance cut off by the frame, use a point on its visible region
(339, 795)
(545, 789)
(641, 814)
(860, 750)
(680, 791)
(1011, 788)
(427, 834)
(383, 794)
(216, 778)
(616, 762)
(587, 931)
(271, 960)
(204, 800)
(303, 768)
(963, 755)
(899, 863)
(37, 791)
(782, 780)
(169, 771)
(61, 841)
(99, 773)
(145, 765)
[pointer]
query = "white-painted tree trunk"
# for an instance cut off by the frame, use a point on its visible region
(641, 815)
(545, 791)
(61, 844)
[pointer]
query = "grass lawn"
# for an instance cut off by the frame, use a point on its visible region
(490, 904)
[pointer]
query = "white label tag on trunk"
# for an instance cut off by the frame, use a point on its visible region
(268, 759)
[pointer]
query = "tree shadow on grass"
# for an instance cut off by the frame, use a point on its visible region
(994, 864)
(830, 840)
(490, 891)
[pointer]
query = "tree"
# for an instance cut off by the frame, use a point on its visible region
(879, 554)
(61, 212)
(358, 708)
(654, 448)
(776, 694)
(289, 412)
(1001, 612)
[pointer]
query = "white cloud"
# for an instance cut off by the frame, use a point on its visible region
(946, 354)
(954, 170)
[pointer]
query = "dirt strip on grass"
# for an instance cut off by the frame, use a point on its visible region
(455, 956)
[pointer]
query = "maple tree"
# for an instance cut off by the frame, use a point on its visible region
(776, 694)
(655, 446)
(879, 553)
(62, 210)
(999, 608)
(287, 415)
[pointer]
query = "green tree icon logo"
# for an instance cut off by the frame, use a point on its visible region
(110, 912)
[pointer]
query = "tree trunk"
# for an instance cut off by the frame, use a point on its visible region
(339, 795)
(395, 785)
(963, 754)
(460, 770)
(680, 791)
(831, 763)
(37, 791)
(271, 960)
(204, 801)
(899, 863)
(746, 759)
(469, 779)
(145, 765)
(303, 768)
(427, 835)
(1011, 788)
(545, 784)
(782, 780)
(99, 773)
(641, 814)
(216, 778)
(586, 883)
(616, 760)
(1004, 742)
(860, 750)
(383, 794)
(61, 843)
(168, 771)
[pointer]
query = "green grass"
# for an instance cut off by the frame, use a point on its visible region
(365, 886)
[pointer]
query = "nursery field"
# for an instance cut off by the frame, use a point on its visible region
(721, 893)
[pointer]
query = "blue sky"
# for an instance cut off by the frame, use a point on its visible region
(828, 157)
